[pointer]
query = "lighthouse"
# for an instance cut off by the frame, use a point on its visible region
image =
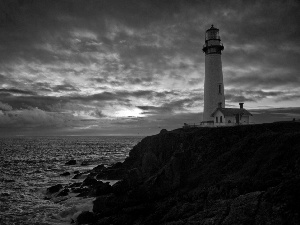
(213, 84)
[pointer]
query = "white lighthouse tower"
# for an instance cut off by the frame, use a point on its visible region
(213, 84)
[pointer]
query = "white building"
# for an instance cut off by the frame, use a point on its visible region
(231, 116)
(213, 83)
(215, 113)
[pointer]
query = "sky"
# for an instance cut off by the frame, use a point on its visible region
(134, 67)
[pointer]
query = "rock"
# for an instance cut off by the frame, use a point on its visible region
(107, 203)
(65, 174)
(111, 174)
(71, 162)
(89, 181)
(77, 176)
(163, 131)
(9, 180)
(86, 217)
(120, 188)
(149, 164)
(5, 194)
(134, 176)
(101, 189)
(99, 168)
(229, 175)
(54, 189)
(243, 209)
(64, 192)
(85, 163)
(117, 165)
(83, 191)
(76, 172)
(78, 184)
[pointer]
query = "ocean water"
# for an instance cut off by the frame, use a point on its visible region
(29, 165)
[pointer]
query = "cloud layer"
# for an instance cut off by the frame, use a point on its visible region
(119, 67)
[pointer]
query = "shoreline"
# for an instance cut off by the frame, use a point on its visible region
(179, 176)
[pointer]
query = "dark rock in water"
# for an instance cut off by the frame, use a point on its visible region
(85, 163)
(80, 189)
(5, 194)
(89, 181)
(65, 174)
(8, 180)
(83, 192)
(77, 176)
(71, 162)
(99, 168)
(86, 217)
(64, 192)
(117, 165)
(54, 189)
(120, 188)
(100, 189)
(107, 203)
(78, 184)
(76, 172)
(111, 174)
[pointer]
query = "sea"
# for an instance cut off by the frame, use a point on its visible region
(29, 165)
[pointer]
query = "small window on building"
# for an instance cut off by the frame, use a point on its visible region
(216, 119)
(229, 121)
(221, 119)
(220, 89)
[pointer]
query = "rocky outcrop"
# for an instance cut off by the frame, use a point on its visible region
(229, 175)
(71, 162)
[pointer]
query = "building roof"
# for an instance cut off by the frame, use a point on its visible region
(232, 111)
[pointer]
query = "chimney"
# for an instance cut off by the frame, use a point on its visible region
(241, 105)
(220, 105)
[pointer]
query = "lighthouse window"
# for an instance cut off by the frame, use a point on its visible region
(221, 119)
(216, 119)
(220, 88)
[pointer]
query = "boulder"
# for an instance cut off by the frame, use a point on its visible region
(83, 191)
(65, 174)
(99, 168)
(101, 189)
(64, 192)
(89, 181)
(86, 217)
(85, 163)
(77, 176)
(111, 174)
(54, 188)
(71, 162)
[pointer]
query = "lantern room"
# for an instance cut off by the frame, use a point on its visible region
(212, 34)
(213, 43)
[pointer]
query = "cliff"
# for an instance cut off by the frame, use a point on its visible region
(230, 175)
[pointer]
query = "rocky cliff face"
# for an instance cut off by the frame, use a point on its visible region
(229, 175)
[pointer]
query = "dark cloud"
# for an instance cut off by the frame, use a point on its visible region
(17, 91)
(236, 95)
(64, 87)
